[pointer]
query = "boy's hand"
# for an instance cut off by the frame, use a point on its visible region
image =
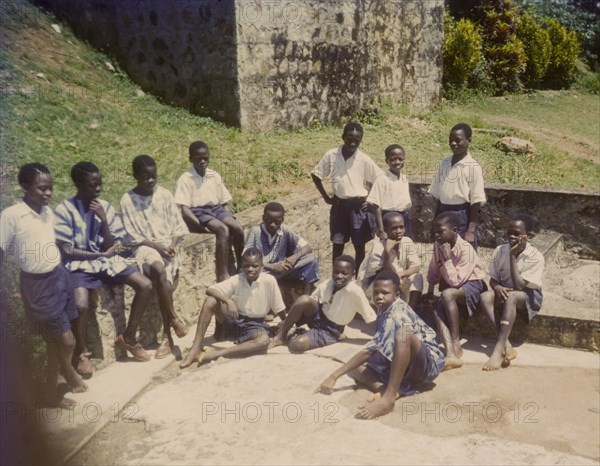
(162, 250)
(428, 297)
(96, 207)
(446, 251)
(364, 207)
(326, 386)
(520, 246)
(232, 310)
(502, 292)
(280, 267)
(470, 236)
(382, 234)
(332, 200)
(291, 261)
(110, 252)
(390, 244)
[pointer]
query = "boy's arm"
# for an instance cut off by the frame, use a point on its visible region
(319, 184)
(519, 283)
(222, 297)
(473, 220)
(379, 220)
(108, 239)
(433, 273)
(72, 253)
(357, 360)
(306, 249)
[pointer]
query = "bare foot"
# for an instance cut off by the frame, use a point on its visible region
(495, 361)
(452, 363)
(192, 357)
(376, 409)
(509, 355)
(277, 341)
(204, 354)
(75, 381)
(458, 351)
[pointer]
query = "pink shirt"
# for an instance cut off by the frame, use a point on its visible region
(462, 267)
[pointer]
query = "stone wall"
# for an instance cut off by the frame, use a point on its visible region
(263, 64)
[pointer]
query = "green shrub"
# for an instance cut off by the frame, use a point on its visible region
(538, 47)
(589, 82)
(462, 52)
(565, 51)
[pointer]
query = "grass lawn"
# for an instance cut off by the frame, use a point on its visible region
(62, 104)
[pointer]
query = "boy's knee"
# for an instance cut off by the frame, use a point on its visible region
(236, 229)
(449, 295)
(145, 285)
(83, 306)
(304, 301)
(262, 341)
(221, 231)
(299, 344)
(487, 298)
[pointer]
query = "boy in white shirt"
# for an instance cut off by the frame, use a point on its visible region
(332, 306)
(239, 305)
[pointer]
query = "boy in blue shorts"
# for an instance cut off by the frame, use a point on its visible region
(203, 199)
(27, 234)
(89, 232)
(391, 193)
(286, 255)
(402, 356)
(327, 311)
(516, 273)
(239, 305)
(458, 186)
(352, 174)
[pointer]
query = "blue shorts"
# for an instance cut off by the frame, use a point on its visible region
(240, 330)
(472, 289)
(205, 214)
(463, 211)
(347, 221)
(322, 331)
(49, 301)
(94, 281)
(422, 370)
(407, 223)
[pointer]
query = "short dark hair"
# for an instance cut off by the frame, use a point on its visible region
(390, 215)
(392, 147)
(353, 126)
(388, 275)
(527, 220)
(251, 252)
(29, 172)
(274, 207)
(141, 162)
(346, 258)
(197, 145)
(451, 218)
(465, 128)
(81, 170)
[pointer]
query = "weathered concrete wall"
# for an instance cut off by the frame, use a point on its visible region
(263, 64)
(309, 60)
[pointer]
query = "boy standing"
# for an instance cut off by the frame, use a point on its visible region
(286, 255)
(154, 225)
(332, 306)
(516, 280)
(390, 193)
(455, 266)
(458, 186)
(352, 174)
(402, 355)
(203, 199)
(89, 231)
(397, 254)
(240, 305)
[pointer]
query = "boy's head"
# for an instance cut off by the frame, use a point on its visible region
(252, 263)
(393, 224)
(519, 226)
(352, 136)
(445, 228)
(386, 289)
(394, 157)
(199, 156)
(343, 270)
(460, 139)
(273, 217)
(145, 173)
(35, 179)
(87, 179)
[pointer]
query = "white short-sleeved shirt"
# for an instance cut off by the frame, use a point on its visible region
(30, 238)
(194, 190)
(254, 300)
(458, 184)
(405, 259)
(390, 192)
(348, 177)
(345, 303)
(530, 264)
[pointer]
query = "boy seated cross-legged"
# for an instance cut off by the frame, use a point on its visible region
(240, 305)
(402, 356)
(332, 306)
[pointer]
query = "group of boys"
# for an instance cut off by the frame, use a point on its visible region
(403, 354)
